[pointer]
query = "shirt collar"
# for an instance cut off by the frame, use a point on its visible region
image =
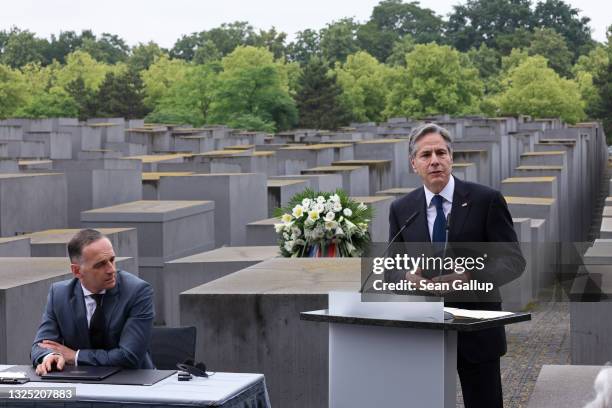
(447, 192)
(86, 292)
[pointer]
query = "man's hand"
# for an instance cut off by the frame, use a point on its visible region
(67, 353)
(417, 277)
(48, 363)
(451, 277)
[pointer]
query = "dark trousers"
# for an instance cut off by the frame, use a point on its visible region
(480, 383)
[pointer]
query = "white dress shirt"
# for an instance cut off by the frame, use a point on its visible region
(447, 193)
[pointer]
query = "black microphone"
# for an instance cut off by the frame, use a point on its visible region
(448, 220)
(406, 224)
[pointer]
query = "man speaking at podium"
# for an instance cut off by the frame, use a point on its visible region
(478, 214)
(101, 317)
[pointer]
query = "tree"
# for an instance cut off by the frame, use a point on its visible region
(484, 21)
(552, 46)
(52, 104)
(59, 47)
(109, 49)
(339, 39)
(561, 17)
(362, 79)
(401, 48)
(206, 52)
(189, 99)
(319, 98)
(160, 77)
(437, 79)
(13, 91)
(603, 82)
(21, 48)
(80, 64)
(532, 88)
(121, 96)
(392, 20)
(250, 84)
(143, 55)
(84, 98)
(305, 46)
(273, 40)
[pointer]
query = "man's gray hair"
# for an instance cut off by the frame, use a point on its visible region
(425, 130)
(81, 240)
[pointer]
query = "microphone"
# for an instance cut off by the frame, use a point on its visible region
(406, 224)
(447, 228)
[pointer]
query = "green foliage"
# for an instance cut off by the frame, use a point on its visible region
(13, 91)
(305, 46)
(121, 96)
(437, 79)
(109, 49)
(251, 122)
(189, 99)
(552, 46)
(318, 98)
(54, 103)
(362, 79)
(161, 76)
(80, 64)
(21, 48)
(143, 55)
(304, 228)
(84, 98)
(603, 82)
(400, 50)
(251, 84)
(561, 17)
(392, 20)
(532, 88)
(339, 39)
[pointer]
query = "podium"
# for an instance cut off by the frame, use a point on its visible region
(392, 353)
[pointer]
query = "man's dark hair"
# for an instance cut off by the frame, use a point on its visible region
(81, 240)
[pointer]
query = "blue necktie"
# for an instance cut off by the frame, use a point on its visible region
(439, 227)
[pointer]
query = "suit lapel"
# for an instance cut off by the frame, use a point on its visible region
(111, 300)
(459, 210)
(418, 231)
(77, 302)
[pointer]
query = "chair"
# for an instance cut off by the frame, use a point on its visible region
(172, 345)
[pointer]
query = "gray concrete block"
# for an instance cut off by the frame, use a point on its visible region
(53, 243)
(186, 273)
(239, 198)
(379, 225)
(379, 172)
(480, 159)
(262, 232)
(518, 293)
(8, 165)
(317, 182)
(249, 321)
(98, 184)
(545, 186)
(150, 183)
(281, 191)
(29, 166)
(395, 150)
(15, 246)
(355, 179)
(294, 159)
(466, 172)
(32, 202)
(396, 192)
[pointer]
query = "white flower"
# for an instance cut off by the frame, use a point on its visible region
(347, 212)
(289, 246)
(313, 215)
(285, 235)
(329, 207)
(320, 199)
(319, 208)
(330, 225)
(339, 231)
(296, 231)
(337, 207)
(306, 202)
(279, 228)
(286, 218)
(330, 216)
(362, 207)
(335, 198)
(298, 211)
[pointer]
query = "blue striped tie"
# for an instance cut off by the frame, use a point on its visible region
(439, 227)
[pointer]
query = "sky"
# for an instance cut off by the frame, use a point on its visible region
(165, 21)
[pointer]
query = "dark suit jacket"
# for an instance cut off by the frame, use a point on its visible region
(128, 311)
(478, 214)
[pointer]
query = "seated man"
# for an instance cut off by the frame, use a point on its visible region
(101, 317)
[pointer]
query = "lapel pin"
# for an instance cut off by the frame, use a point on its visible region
(464, 204)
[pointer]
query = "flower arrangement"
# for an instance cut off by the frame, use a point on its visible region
(323, 224)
